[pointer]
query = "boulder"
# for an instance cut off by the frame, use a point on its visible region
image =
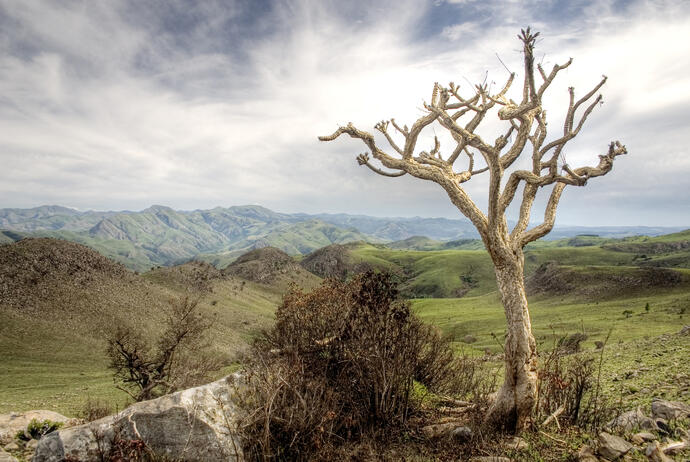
(669, 410)
(631, 420)
(612, 447)
(197, 424)
(462, 433)
(13, 422)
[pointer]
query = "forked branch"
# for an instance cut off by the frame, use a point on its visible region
(461, 117)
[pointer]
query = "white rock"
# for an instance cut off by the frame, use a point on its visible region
(198, 424)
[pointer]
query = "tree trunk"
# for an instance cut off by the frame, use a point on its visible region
(517, 397)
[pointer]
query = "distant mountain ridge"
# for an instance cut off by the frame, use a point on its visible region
(160, 235)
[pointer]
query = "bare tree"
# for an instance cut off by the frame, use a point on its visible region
(177, 360)
(525, 133)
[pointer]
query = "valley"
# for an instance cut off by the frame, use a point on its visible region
(57, 298)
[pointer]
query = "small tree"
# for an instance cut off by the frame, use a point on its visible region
(526, 133)
(177, 360)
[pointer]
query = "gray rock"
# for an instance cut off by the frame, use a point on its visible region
(669, 410)
(586, 454)
(655, 454)
(13, 422)
(462, 433)
(31, 445)
(643, 437)
(662, 424)
(6, 457)
(197, 424)
(631, 420)
(684, 331)
(612, 447)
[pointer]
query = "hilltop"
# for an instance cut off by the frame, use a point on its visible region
(269, 265)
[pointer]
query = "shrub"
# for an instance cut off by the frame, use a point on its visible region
(340, 362)
(37, 429)
(177, 359)
(569, 386)
(94, 409)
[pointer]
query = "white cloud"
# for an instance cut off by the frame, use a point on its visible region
(105, 111)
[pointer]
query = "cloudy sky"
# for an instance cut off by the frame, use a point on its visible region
(120, 105)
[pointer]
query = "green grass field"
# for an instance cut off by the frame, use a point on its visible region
(483, 316)
(52, 354)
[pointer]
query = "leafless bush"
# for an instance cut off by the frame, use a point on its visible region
(340, 363)
(178, 358)
(94, 409)
(569, 387)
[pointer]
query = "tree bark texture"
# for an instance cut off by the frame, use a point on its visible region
(517, 396)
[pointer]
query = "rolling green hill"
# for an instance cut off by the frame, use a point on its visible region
(160, 235)
(441, 273)
(58, 299)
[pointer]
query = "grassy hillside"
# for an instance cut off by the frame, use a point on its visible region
(452, 273)
(58, 299)
(669, 310)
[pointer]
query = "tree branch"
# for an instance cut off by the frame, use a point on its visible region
(363, 159)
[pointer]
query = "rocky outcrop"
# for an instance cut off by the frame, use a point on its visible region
(14, 422)
(333, 261)
(197, 424)
(631, 420)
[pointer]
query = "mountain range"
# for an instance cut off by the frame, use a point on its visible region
(160, 235)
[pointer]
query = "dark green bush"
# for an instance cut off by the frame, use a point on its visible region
(37, 429)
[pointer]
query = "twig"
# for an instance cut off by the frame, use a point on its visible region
(554, 416)
(552, 437)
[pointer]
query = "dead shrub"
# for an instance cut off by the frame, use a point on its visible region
(569, 386)
(94, 409)
(340, 363)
